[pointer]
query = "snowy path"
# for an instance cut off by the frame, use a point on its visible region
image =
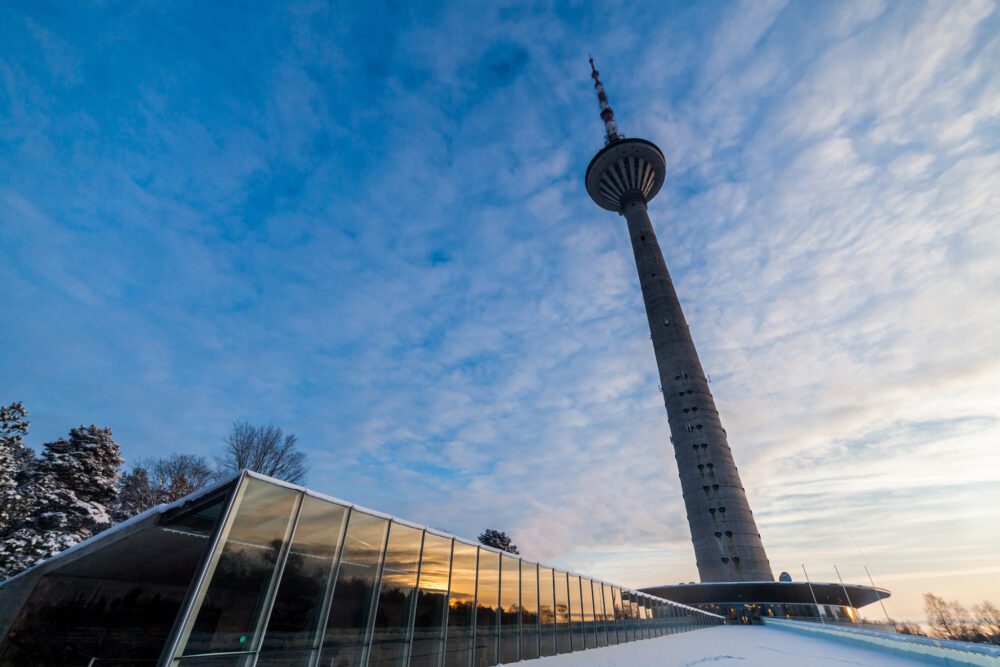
(739, 646)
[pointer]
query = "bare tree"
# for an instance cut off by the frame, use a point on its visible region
(264, 449)
(154, 481)
(950, 620)
(988, 618)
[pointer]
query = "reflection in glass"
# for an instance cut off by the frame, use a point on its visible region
(116, 604)
(301, 658)
(632, 612)
(546, 612)
(590, 638)
(610, 634)
(487, 599)
(298, 607)
(510, 605)
(563, 641)
(228, 660)
(461, 605)
(395, 599)
(643, 615)
(529, 610)
(432, 602)
(576, 612)
(347, 625)
(620, 620)
(229, 614)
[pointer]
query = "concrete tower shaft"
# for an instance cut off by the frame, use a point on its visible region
(727, 544)
(623, 177)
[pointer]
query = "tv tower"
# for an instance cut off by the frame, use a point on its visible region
(623, 177)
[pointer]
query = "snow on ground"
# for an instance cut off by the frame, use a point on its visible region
(737, 645)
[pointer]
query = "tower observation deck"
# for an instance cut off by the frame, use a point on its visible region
(623, 177)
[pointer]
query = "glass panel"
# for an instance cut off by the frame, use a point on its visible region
(576, 612)
(461, 605)
(117, 603)
(563, 641)
(620, 619)
(632, 612)
(546, 613)
(590, 639)
(241, 660)
(432, 602)
(487, 601)
(283, 659)
(354, 593)
(639, 624)
(600, 631)
(395, 598)
(510, 605)
(644, 616)
(229, 614)
(310, 567)
(529, 611)
(609, 615)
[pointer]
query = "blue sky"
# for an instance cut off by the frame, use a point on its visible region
(367, 224)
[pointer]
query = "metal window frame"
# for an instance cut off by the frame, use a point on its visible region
(331, 584)
(196, 589)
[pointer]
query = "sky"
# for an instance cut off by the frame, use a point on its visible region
(366, 223)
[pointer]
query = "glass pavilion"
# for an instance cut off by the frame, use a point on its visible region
(259, 572)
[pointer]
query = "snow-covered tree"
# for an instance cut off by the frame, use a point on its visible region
(498, 540)
(73, 486)
(15, 460)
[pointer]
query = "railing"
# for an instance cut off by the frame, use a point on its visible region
(951, 652)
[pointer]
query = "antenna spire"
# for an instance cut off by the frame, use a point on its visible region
(611, 133)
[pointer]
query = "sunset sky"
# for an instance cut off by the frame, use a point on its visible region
(366, 223)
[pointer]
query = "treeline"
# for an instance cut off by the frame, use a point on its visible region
(951, 620)
(79, 485)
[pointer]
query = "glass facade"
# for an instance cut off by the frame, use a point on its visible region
(510, 607)
(461, 605)
(546, 612)
(529, 610)
(262, 573)
(427, 637)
